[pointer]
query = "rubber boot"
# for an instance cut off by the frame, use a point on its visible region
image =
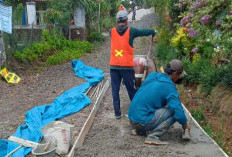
(186, 135)
(153, 136)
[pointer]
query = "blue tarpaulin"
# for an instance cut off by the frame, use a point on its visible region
(69, 102)
(86, 72)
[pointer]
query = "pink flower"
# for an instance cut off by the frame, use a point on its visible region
(230, 12)
(194, 50)
(205, 19)
(218, 23)
(192, 33)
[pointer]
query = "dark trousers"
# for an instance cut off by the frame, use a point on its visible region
(128, 77)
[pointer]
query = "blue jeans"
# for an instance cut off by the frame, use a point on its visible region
(159, 124)
(128, 77)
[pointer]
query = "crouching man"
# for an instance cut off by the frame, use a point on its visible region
(156, 105)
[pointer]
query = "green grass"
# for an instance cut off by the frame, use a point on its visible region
(199, 116)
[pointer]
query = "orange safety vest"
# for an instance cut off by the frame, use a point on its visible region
(121, 8)
(121, 52)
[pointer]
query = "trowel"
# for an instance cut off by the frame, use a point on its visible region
(186, 135)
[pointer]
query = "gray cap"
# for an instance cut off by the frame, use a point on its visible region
(122, 15)
(177, 65)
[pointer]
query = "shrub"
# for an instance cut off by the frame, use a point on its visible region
(209, 78)
(226, 75)
(164, 52)
(54, 49)
(108, 23)
(204, 73)
(95, 36)
(63, 56)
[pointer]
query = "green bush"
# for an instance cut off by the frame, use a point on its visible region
(54, 49)
(194, 71)
(202, 72)
(164, 52)
(226, 75)
(209, 78)
(95, 36)
(63, 56)
(108, 23)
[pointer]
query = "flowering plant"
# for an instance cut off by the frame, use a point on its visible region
(192, 33)
(182, 42)
(205, 19)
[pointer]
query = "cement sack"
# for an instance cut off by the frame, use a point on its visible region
(60, 131)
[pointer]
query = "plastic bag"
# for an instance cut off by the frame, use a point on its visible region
(139, 65)
(60, 131)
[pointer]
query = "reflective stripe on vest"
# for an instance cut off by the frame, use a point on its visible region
(121, 51)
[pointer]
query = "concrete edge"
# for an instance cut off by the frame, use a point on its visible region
(88, 123)
(198, 125)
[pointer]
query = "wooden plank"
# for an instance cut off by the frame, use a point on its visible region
(24, 142)
(85, 129)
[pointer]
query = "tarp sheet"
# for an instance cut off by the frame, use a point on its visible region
(69, 102)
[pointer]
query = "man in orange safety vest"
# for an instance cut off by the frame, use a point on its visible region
(121, 58)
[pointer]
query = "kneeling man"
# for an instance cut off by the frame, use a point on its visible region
(156, 105)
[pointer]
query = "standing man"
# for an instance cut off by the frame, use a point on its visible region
(156, 105)
(121, 59)
(133, 7)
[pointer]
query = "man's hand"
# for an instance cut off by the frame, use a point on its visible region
(186, 127)
(154, 33)
(186, 133)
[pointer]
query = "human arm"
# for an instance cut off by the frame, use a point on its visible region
(134, 33)
(175, 105)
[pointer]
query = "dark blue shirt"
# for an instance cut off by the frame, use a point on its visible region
(157, 91)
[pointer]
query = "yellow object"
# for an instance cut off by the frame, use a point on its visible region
(196, 57)
(162, 69)
(133, 21)
(119, 53)
(9, 76)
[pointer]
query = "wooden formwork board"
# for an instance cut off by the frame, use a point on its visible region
(88, 123)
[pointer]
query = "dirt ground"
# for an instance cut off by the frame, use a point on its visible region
(108, 136)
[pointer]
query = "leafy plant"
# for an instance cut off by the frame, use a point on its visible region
(198, 114)
(54, 49)
(108, 23)
(95, 36)
(164, 52)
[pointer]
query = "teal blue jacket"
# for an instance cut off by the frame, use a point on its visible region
(157, 91)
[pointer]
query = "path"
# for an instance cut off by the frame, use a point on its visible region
(107, 137)
(111, 137)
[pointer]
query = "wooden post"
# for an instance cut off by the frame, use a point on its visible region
(2, 53)
(99, 16)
